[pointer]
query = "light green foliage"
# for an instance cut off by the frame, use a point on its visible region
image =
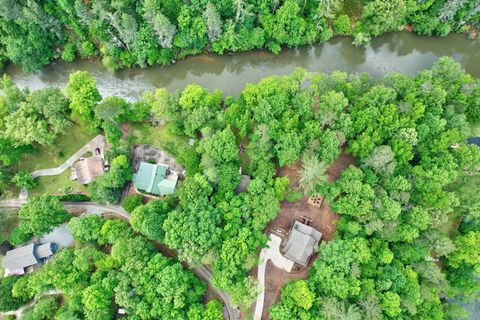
(467, 251)
(384, 16)
(313, 172)
(332, 274)
(24, 180)
(43, 309)
(113, 109)
(40, 118)
(86, 229)
(131, 202)
(198, 107)
(107, 188)
(41, 214)
(84, 96)
(148, 219)
(341, 25)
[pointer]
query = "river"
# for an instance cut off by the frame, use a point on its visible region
(397, 52)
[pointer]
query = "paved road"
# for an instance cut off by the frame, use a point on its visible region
(206, 275)
(85, 205)
(202, 271)
(18, 313)
(97, 142)
(271, 253)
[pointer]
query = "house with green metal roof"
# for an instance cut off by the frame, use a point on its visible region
(155, 179)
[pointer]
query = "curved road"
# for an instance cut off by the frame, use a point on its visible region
(202, 272)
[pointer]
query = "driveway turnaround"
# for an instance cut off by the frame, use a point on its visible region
(271, 253)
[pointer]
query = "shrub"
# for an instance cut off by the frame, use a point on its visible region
(68, 53)
(131, 202)
(20, 235)
(341, 25)
(77, 197)
(24, 180)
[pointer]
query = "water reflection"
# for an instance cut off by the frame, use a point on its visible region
(396, 52)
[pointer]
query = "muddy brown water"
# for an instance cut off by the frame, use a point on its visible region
(397, 52)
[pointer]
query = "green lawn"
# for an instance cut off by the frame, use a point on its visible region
(57, 185)
(158, 136)
(54, 155)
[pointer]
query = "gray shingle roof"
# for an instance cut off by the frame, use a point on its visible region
(44, 250)
(301, 243)
(20, 258)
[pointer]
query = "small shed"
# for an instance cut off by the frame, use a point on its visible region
(88, 169)
(301, 243)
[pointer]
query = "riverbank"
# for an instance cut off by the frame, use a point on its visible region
(396, 52)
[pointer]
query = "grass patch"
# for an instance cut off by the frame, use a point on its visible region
(8, 222)
(57, 185)
(56, 154)
(157, 136)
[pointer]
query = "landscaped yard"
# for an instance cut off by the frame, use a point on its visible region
(57, 185)
(53, 155)
(157, 136)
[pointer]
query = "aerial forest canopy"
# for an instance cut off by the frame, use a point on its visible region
(407, 244)
(148, 32)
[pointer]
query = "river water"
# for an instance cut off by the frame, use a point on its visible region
(398, 52)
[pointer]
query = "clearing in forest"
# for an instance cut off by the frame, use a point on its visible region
(323, 219)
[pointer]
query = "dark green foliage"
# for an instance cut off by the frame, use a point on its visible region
(7, 301)
(44, 309)
(148, 219)
(107, 188)
(131, 202)
(145, 33)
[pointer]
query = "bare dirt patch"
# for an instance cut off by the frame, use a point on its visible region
(323, 219)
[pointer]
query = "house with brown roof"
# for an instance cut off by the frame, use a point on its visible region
(88, 169)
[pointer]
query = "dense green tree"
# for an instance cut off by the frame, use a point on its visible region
(148, 219)
(86, 229)
(40, 118)
(84, 97)
(41, 214)
(7, 301)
